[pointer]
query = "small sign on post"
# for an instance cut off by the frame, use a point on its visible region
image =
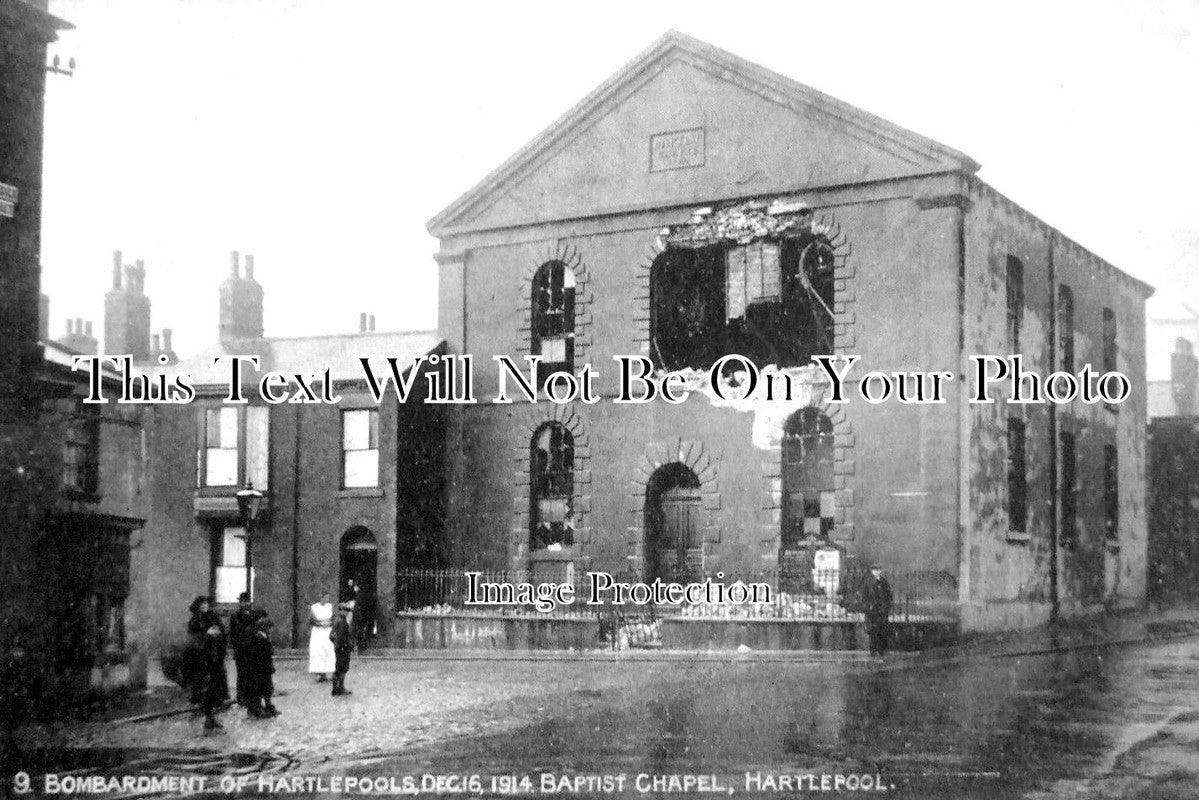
(8, 200)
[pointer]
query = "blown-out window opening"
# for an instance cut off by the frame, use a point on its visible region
(551, 487)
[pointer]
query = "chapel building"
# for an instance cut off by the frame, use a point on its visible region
(696, 205)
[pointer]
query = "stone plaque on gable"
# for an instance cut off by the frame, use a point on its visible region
(676, 150)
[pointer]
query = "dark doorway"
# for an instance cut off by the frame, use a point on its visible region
(674, 548)
(359, 581)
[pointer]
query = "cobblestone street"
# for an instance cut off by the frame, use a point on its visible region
(396, 705)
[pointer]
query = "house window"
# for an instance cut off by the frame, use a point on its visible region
(554, 317)
(1065, 325)
(222, 446)
(809, 500)
(551, 488)
(770, 301)
(360, 448)
(109, 611)
(81, 452)
(234, 447)
(1111, 494)
(1109, 340)
(1017, 501)
(1069, 491)
(228, 564)
(1015, 302)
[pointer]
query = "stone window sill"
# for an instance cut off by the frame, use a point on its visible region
(1018, 537)
(363, 491)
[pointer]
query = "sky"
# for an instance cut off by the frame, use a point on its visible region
(321, 135)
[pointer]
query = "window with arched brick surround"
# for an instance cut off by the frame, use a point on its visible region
(551, 487)
(553, 317)
(809, 490)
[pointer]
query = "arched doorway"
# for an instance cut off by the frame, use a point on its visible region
(673, 526)
(359, 579)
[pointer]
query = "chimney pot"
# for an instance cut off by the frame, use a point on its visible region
(233, 263)
(362, 322)
(371, 323)
(88, 328)
(155, 345)
(249, 267)
(70, 326)
(166, 339)
(116, 269)
(78, 324)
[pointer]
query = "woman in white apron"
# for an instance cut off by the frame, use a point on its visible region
(321, 658)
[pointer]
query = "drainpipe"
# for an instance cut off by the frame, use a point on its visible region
(1054, 499)
(295, 532)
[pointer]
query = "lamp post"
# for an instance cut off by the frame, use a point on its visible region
(249, 500)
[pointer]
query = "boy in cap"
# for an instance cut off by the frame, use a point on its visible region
(343, 645)
(259, 662)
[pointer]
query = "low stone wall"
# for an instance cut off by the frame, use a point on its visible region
(485, 631)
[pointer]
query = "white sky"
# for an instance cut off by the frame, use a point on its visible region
(320, 135)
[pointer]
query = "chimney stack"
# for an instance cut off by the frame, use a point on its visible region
(79, 338)
(1184, 377)
(240, 303)
(127, 311)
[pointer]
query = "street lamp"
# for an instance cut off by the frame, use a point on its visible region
(249, 500)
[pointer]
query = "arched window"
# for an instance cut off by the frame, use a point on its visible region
(551, 487)
(554, 317)
(809, 507)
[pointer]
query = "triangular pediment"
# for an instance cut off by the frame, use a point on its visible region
(684, 123)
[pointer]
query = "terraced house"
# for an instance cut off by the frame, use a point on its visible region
(696, 205)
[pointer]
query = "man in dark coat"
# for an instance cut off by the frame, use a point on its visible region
(343, 645)
(241, 629)
(214, 686)
(876, 596)
(258, 663)
(205, 658)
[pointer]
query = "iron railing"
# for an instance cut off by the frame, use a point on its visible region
(793, 594)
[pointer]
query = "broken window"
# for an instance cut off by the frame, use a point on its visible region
(755, 280)
(1065, 323)
(551, 487)
(1069, 491)
(809, 500)
(554, 318)
(1017, 500)
(1015, 302)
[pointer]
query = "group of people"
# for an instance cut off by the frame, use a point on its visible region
(203, 661)
(253, 658)
(330, 642)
